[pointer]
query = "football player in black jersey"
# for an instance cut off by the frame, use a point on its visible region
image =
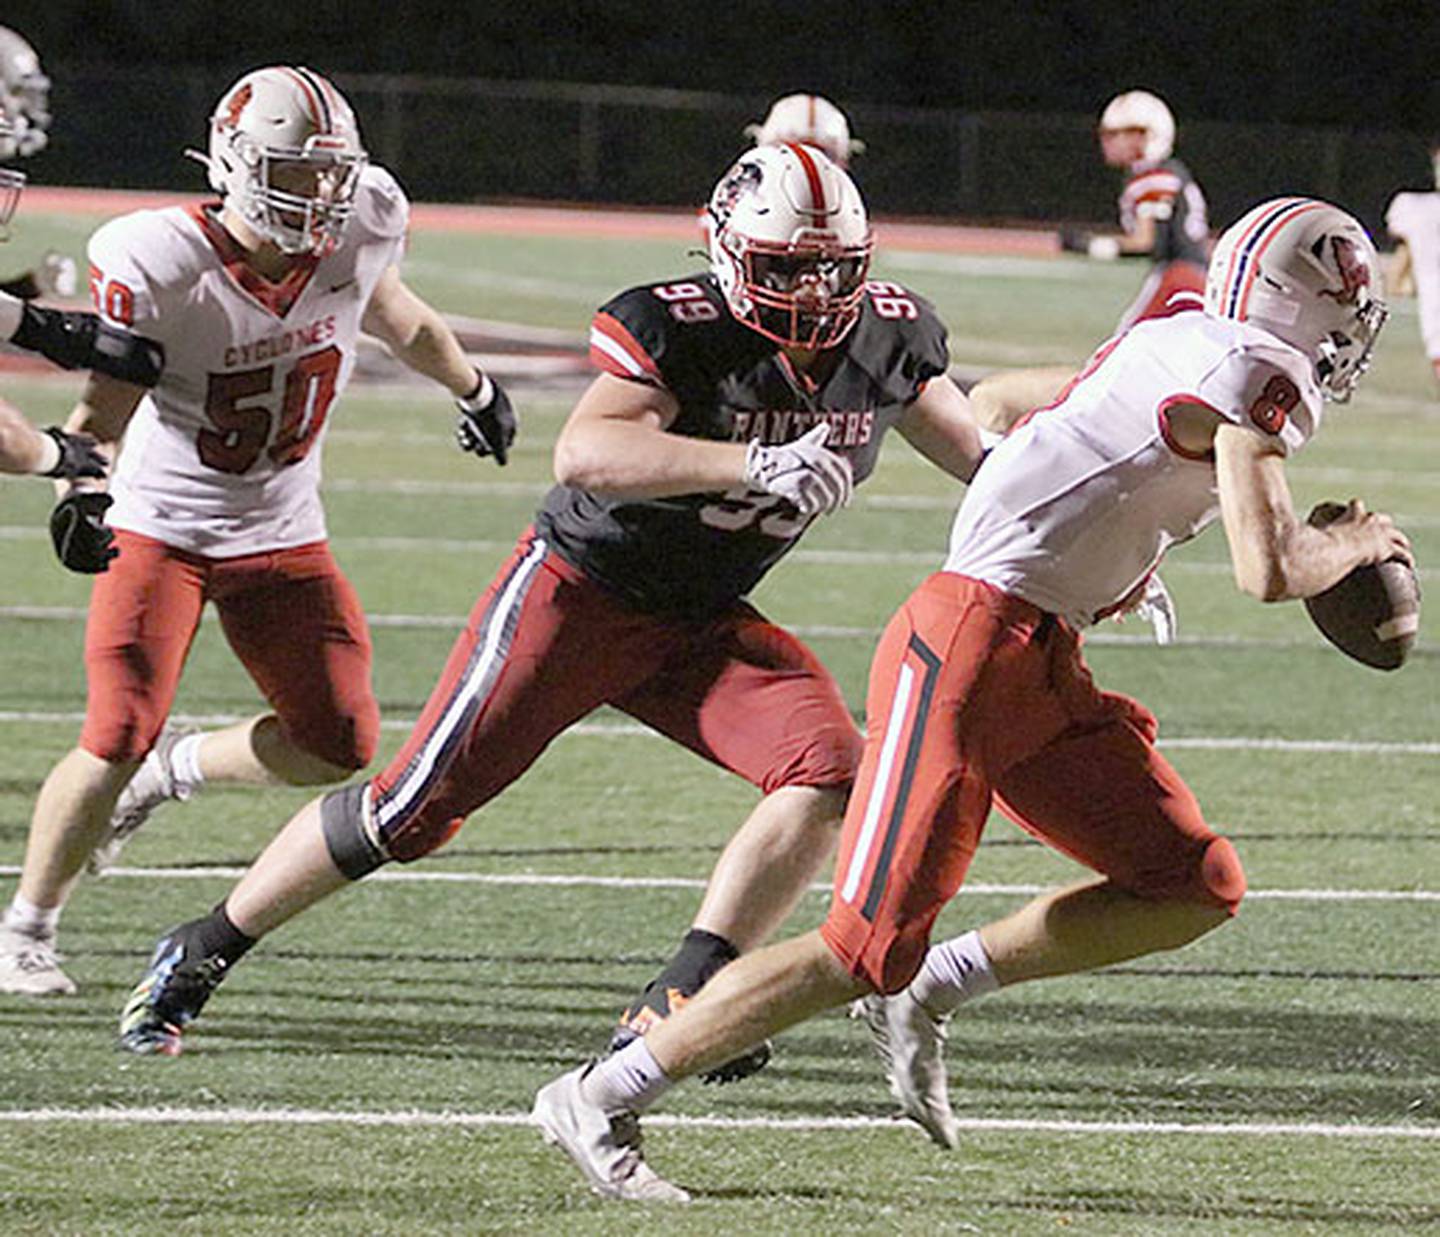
(733, 407)
(1161, 208)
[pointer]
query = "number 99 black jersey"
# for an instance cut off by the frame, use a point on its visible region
(695, 554)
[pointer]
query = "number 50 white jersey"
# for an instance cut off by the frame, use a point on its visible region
(1078, 505)
(222, 458)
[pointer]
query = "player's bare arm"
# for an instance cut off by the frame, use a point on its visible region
(103, 411)
(616, 444)
(1276, 555)
(1000, 400)
(417, 334)
(940, 424)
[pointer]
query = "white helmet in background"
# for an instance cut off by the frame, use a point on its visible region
(790, 245)
(1307, 272)
(24, 97)
(285, 152)
(1139, 109)
(811, 119)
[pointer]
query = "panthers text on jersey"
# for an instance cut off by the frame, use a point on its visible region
(1167, 193)
(222, 457)
(1077, 506)
(1415, 219)
(695, 554)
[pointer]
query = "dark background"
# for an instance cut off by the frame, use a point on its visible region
(1326, 98)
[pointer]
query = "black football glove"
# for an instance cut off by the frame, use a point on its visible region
(77, 527)
(486, 429)
(1074, 240)
(78, 456)
(74, 339)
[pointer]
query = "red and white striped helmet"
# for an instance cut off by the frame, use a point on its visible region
(790, 244)
(285, 152)
(1307, 272)
(808, 118)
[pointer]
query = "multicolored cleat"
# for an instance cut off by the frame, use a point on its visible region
(654, 1005)
(169, 996)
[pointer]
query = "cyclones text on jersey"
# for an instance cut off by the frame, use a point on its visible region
(281, 344)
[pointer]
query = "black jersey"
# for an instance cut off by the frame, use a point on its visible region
(695, 554)
(1167, 193)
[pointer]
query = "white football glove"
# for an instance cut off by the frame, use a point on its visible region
(1157, 608)
(814, 480)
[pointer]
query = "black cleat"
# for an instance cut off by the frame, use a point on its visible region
(170, 995)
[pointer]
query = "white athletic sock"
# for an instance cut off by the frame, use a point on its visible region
(955, 971)
(626, 1081)
(24, 916)
(185, 763)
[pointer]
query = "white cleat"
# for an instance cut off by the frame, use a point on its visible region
(154, 783)
(910, 1040)
(605, 1146)
(29, 965)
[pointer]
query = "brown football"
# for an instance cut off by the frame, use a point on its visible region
(1373, 614)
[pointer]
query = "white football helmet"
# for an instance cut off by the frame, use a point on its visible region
(811, 119)
(1139, 109)
(24, 97)
(285, 152)
(790, 245)
(1307, 272)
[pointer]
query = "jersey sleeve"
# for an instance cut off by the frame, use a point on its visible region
(381, 207)
(1266, 391)
(630, 336)
(126, 273)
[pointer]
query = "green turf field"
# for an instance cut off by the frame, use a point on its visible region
(369, 1068)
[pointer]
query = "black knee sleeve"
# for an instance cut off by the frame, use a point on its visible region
(342, 821)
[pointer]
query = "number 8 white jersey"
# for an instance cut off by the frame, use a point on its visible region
(1078, 505)
(222, 458)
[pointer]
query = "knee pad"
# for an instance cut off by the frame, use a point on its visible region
(342, 822)
(1221, 874)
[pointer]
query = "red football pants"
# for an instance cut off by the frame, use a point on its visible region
(291, 617)
(974, 692)
(545, 645)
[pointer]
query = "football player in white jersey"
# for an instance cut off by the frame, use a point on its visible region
(979, 689)
(1413, 220)
(258, 300)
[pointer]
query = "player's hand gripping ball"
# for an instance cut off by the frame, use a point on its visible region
(1373, 614)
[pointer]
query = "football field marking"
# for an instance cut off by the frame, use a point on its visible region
(634, 730)
(532, 880)
(482, 1120)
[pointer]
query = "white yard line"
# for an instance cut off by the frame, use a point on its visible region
(631, 730)
(412, 1118)
(539, 880)
(1139, 637)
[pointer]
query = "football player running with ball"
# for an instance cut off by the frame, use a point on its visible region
(979, 688)
(732, 409)
(258, 300)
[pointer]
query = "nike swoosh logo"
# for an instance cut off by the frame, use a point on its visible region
(337, 287)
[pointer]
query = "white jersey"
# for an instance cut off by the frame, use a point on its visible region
(222, 458)
(1415, 219)
(1078, 505)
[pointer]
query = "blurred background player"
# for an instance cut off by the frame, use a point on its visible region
(25, 99)
(1413, 220)
(808, 118)
(732, 408)
(1162, 211)
(979, 688)
(258, 299)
